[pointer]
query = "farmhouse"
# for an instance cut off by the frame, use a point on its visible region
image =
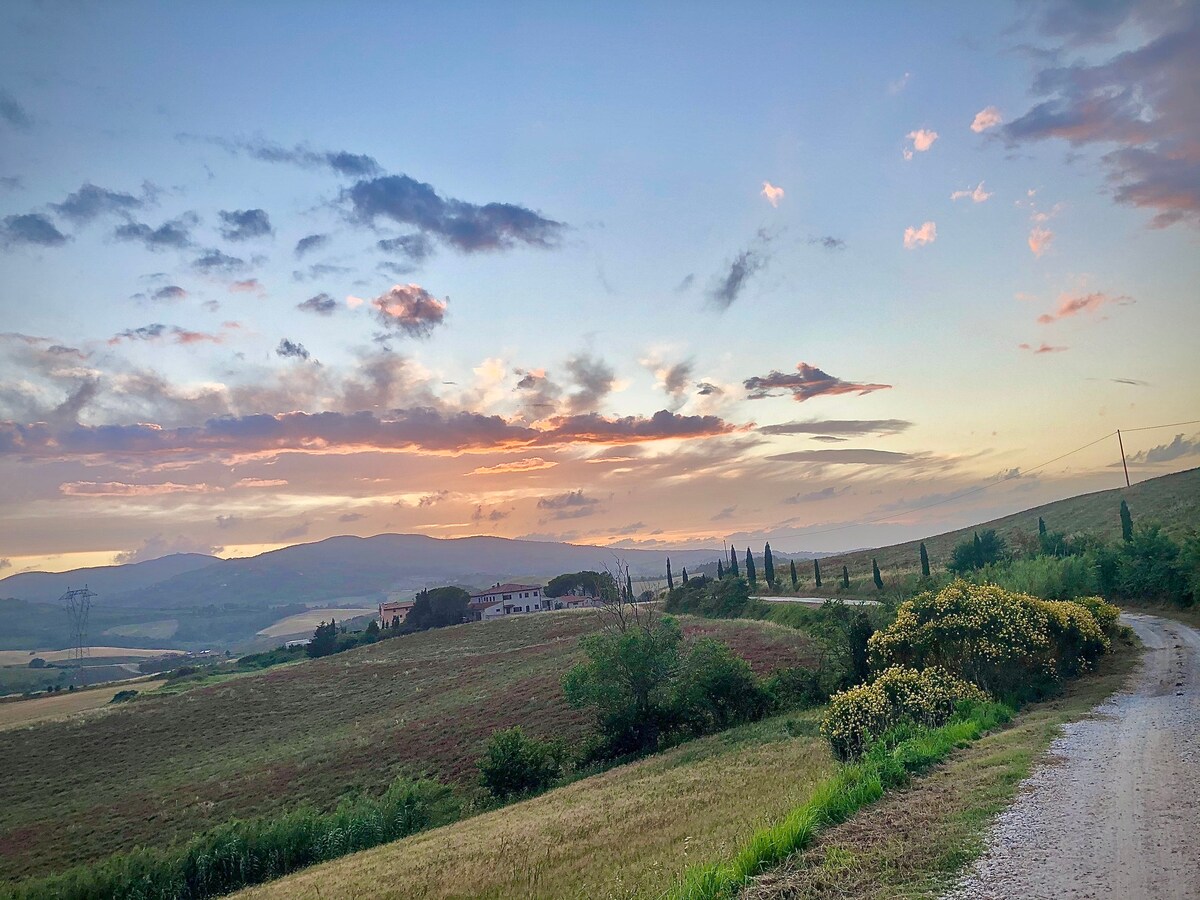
(393, 609)
(506, 600)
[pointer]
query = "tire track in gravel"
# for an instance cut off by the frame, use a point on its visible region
(1116, 812)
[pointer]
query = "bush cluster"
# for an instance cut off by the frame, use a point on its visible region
(898, 696)
(516, 765)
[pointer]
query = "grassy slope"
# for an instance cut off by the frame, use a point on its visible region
(23, 713)
(627, 832)
(913, 843)
(1172, 500)
(163, 767)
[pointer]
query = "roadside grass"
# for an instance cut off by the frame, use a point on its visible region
(155, 771)
(623, 833)
(916, 841)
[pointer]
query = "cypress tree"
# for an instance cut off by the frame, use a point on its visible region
(875, 576)
(769, 566)
(924, 561)
(1126, 522)
(720, 571)
(629, 586)
(794, 579)
(1041, 526)
(670, 578)
(733, 562)
(750, 573)
(685, 576)
(845, 578)
(978, 552)
(817, 571)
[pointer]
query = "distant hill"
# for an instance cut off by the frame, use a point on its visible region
(47, 587)
(1171, 500)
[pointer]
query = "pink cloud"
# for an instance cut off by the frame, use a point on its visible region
(259, 482)
(531, 464)
(1040, 239)
(976, 194)
(922, 139)
(919, 237)
(772, 192)
(988, 117)
(121, 489)
(1043, 348)
(1087, 303)
(410, 309)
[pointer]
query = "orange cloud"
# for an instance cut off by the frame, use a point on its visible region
(531, 464)
(773, 193)
(978, 194)
(1040, 239)
(922, 139)
(919, 237)
(259, 482)
(988, 117)
(1088, 303)
(121, 489)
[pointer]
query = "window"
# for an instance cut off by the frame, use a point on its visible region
(526, 607)
(508, 596)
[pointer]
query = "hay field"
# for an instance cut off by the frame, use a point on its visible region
(306, 622)
(23, 713)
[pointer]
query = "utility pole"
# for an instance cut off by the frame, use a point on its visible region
(1121, 443)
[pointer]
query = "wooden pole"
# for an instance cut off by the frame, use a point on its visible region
(1123, 463)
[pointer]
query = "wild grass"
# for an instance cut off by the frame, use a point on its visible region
(23, 713)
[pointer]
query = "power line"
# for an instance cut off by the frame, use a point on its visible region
(1171, 425)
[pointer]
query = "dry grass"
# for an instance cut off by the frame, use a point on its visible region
(22, 657)
(305, 622)
(915, 841)
(627, 832)
(22, 713)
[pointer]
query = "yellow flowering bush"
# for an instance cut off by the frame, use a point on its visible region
(1002, 641)
(1105, 614)
(897, 696)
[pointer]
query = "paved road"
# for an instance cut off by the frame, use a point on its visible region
(1117, 814)
(814, 601)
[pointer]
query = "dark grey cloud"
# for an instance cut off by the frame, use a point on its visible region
(351, 517)
(414, 248)
(540, 395)
(676, 379)
(707, 388)
(569, 505)
(846, 457)
(292, 349)
(410, 310)
(244, 224)
(168, 293)
(724, 514)
(465, 226)
(311, 242)
(1179, 447)
(593, 378)
(825, 493)
(1142, 101)
(317, 271)
(686, 283)
(30, 228)
(216, 262)
(295, 531)
(730, 284)
(1131, 381)
(144, 333)
(808, 382)
(321, 304)
(494, 515)
(13, 112)
(839, 426)
(91, 201)
(12, 182)
(174, 234)
(828, 242)
(354, 165)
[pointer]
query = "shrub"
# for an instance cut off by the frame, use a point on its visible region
(1105, 614)
(1148, 566)
(1050, 577)
(515, 765)
(724, 598)
(123, 696)
(716, 689)
(985, 548)
(796, 688)
(899, 696)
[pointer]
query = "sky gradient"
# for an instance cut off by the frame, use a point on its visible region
(661, 276)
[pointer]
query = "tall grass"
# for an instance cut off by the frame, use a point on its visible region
(887, 764)
(1048, 577)
(242, 853)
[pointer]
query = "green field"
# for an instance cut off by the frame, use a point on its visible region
(160, 768)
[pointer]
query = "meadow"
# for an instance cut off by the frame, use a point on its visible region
(62, 705)
(158, 769)
(305, 622)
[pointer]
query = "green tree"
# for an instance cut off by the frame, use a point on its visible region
(324, 640)
(875, 575)
(984, 549)
(769, 566)
(372, 630)
(437, 608)
(628, 586)
(716, 689)
(670, 578)
(795, 581)
(924, 561)
(751, 575)
(1041, 527)
(817, 571)
(1126, 523)
(720, 571)
(583, 584)
(685, 578)
(514, 765)
(733, 567)
(845, 578)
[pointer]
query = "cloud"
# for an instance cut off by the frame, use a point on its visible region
(725, 514)
(174, 234)
(258, 483)
(13, 113)
(845, 457)
(296, 531)
(839, 426)
(1040, 239)
(922, 140)
(919, 237)
(160, 546)
(177, 335)
(244, 224)
(1069, 305)
(319, 270)
(321, 305)
(410, 310)
(121, 489)
(895, 87)
(773, 193)
(292, 350)
(355, 165)
(1043, 348)
(569, 505)
(90, 201)
(977, 194)
(531, 464)
(494, 515)
(809, 382)
(675, 379)
(988, 117)
(730, 285)
(247, 286)
(707, 389)
(310, 242)
(1178, 448)
(1141, 101)
(224, 522)
(686, 283)
(465, 226)
(414, 248)
(30, 228)
(215, 262)
(594, 379)
(168, 293)
(828, 242)
(351, 517)
(826, 493)
(5, 563)
(1130, 381)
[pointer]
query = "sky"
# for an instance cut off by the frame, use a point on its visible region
(642, 275)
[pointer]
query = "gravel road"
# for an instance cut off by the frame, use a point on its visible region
(1116, 813)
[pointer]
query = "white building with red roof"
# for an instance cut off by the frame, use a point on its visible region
(507, 599)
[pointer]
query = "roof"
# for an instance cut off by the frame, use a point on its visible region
(397, 604)
(506, 588)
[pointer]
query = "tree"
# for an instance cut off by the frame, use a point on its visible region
(751, 575)
(37, 663)
(582, 584)
(1126, 523)
(845, 578)
(715, 689)
(984, 549)
(438, 608)
(670, 577)
(817, 571)
(324, 640)
(720, 571)
(685, 578)
(795, 580)
(733, 568)
(924, 561)
(875, 576)
(1041, 527)
(769, 566)
(514, 765)
(628, 586)
(372, 630)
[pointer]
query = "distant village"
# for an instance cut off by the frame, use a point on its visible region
(496, 602)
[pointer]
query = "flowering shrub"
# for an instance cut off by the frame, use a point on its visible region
(1105, 614)
(1004, 642)
(897, 696)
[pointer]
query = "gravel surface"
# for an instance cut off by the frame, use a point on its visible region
(1116, 811)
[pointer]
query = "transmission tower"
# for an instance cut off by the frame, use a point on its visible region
(78, 604)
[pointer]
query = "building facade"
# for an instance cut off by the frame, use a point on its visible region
(508, 599)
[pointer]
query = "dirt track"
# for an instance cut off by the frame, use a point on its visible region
(1117, 812)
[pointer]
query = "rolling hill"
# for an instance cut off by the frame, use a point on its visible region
(47, 587)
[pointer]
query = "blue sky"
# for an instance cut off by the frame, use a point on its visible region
(586, 230)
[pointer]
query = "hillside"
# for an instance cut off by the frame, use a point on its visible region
(163, 767)
(1172, 500)
(47, 587)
